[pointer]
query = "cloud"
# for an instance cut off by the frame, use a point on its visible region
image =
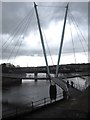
(51, 19)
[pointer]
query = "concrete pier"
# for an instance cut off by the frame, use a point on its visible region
(35, 76)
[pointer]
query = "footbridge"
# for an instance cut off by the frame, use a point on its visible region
(56, 80)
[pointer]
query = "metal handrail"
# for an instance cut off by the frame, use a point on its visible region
(33, 105)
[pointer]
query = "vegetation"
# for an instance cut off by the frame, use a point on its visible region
(68, 68)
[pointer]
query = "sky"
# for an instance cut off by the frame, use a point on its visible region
(21, 44)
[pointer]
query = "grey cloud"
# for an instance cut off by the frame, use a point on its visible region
(12, 13)
(27, 51)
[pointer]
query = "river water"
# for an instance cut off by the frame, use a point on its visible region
(30, 90)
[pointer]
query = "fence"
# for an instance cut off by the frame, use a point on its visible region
(76, 85)
(30, 106)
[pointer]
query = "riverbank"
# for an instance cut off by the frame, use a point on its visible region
(72, 108)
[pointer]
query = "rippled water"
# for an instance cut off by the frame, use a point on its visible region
(28, 91)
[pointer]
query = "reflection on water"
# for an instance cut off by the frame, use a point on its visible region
(28, 91)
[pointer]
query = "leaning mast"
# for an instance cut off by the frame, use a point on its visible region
(42, 41)
(62, 38)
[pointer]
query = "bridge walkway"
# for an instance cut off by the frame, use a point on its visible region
(23, 75)
(72, 108)
(61, 109)
(72, 91)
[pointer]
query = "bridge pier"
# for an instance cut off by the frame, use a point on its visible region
(20, 81)
(35, 76)
(64, 95)
(46, 75)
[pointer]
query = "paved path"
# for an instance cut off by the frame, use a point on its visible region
(72, 108)
(61, 109)
(73, 92)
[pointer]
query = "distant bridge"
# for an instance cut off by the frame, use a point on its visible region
(36, 76)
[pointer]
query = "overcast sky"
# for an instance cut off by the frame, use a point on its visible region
(21, 40)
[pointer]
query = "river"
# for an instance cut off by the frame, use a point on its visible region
(30, 91)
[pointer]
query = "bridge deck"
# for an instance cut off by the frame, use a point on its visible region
(23, 76)
(73, 92)
(72, 108)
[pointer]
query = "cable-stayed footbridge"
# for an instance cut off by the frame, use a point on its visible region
(53, 80)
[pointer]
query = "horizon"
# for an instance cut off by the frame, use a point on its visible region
(45, 65)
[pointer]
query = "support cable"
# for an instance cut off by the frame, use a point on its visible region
(27, 26)
(16, 31)
(48, 47)
(47, 43)
(79, 29)
(42, 41)
(72, 41)
(51, 6)
(79, 38)
(18, 38)
(19, 35)
(12, 30)
(62, 38)
(15, 37)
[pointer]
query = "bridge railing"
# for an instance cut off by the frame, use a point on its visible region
(46, 101)
(79, 87)
(31, 106)
(75, 85)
